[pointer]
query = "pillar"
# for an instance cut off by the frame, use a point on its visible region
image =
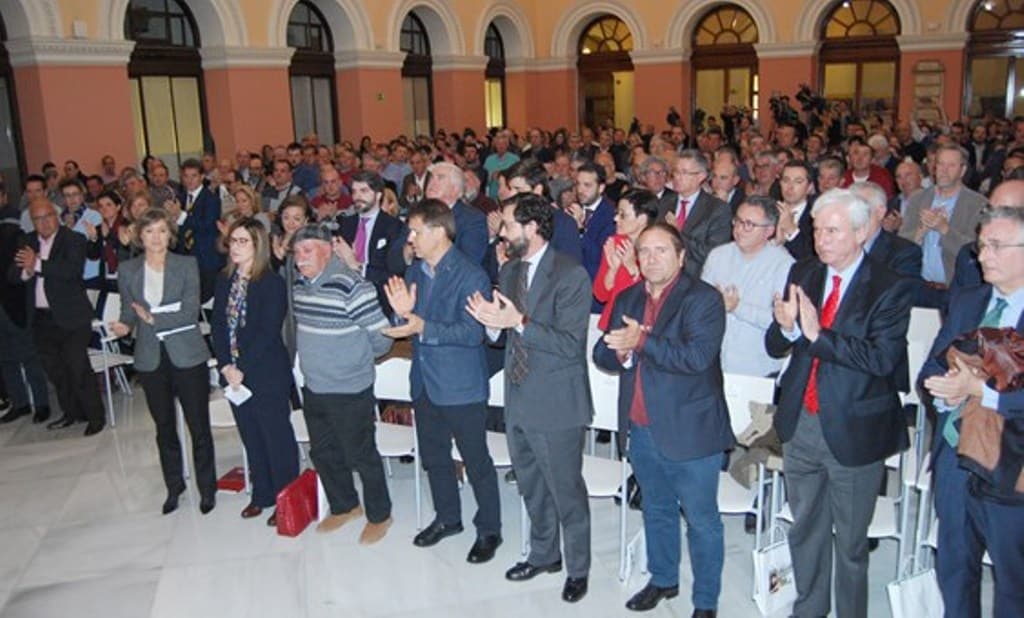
(369, 94)
(458, 83)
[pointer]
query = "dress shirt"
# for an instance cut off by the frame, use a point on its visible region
(931, 244)
(45, 245)
(845, 276)
(1009, 319)
(371, 220)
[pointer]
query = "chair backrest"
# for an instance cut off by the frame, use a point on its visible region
(924, 325)
(917, 356)
(740, 390)
(111, 309)
(497, 398)
(392, 382)
(94, 297)
(604, 388)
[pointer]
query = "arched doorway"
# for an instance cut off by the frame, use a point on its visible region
(494, 78)
(417, 69)
(11, 155)
(995, 71)
(605, 73)
(859, 57)
(165, 72)
(311, 73)
(724, 61)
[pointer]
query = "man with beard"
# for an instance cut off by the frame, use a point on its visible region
(367, 238)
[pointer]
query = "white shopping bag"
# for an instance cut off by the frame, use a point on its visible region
(774, 585)
(916, 596)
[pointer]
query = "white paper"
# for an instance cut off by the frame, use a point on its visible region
(237, 394)
(161, 335)
(168, 308)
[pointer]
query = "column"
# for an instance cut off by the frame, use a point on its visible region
(369, 94)
(662, 79)
(781, 69)
(458, 84)
(552, 94)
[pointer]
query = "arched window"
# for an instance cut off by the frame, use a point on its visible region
(417, 69)
(314, 107)
(11, 153)
(859, 56)
(724, 61)
(606, 73)
(166, 73)
(494, 78)
(995, 57)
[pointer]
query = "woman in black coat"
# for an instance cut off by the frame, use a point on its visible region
(249, 307)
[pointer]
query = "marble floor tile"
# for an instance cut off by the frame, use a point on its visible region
(125, 593)
(19, 546)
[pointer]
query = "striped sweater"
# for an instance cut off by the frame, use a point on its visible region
(338, 330)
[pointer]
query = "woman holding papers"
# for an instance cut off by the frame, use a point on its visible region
(249, 306)
(160, 301)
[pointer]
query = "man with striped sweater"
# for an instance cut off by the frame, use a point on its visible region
(338, 336)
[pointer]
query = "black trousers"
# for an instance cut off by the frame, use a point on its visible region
(65, 357)
(265, 426)
(435, 427)
(342, 439)
(191, 387)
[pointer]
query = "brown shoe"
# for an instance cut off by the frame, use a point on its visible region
(374, 532)
(333, 522)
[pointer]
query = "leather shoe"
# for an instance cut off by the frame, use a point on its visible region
(436, 531)
(206, 504)
(61, 423)
(484, 548)
(575, 589)
(42, 413)
(14, 414)
(523, 571)
(272, 520)
(704, 613)
(171, 503)
(251, 511)
(872, 544)
(94, 428)
(649, 597)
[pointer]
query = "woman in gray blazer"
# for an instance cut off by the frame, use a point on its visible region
(160, 302)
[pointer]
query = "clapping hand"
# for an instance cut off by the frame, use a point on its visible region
(578, 213)
(120, 329)
(25, 258)
(498, 313)
(344, 252)
(401, 297)
(959, 383)
(786, 310)
(809, 323)
(612, 254)
(624, 339)
(730, 296)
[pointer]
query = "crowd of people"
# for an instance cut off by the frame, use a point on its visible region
(698, 253)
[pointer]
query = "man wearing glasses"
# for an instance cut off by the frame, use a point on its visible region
(653, 177)
(701, 218)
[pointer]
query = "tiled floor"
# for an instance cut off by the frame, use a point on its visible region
(82, 535)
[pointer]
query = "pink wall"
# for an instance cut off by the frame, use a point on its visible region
(516, 101)
(248, 107)
(459, 99)
(953, 85)
(370, 103)
(657, 87)
(552, 99)
(785, 76)
(79, 113)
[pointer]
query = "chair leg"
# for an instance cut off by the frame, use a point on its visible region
(623, 511)
(186, 473)
(245, 471)
(106, 384)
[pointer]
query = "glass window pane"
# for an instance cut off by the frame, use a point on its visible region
(739, 88)
(988, 87)
(302, 105)
(156, 97)
(140, 127)
(493, 111)
(841, 81)
(878, 83)
(421, 94)
(322, 110)
(1018, 96)
(187, 118)
(710, 90)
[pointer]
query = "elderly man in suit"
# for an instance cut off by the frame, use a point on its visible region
(654, 176)
(896, 252)
(197, 221)
(59, 314)
(447, 183)
(542, 306)
(725, 183)
(974, 514)
(843, 322)
(704, 221)
(666, 334)
(414, 185)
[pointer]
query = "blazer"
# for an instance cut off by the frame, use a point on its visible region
(555, 394)
(410, 179)
(738, 196)
(387, 230)
(898, 253)
(202, 221)
(962, 226)
(470, 231)
(62, 280)
(449, 363)
(861, 416)
(181, 285)
(667, 201)
(708, 225)
(802, 245)
(680, 369)
(12, 290)
(599, 228)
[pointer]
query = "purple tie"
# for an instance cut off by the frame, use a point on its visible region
(360, 244)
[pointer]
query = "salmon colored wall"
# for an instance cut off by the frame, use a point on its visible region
(370, 103)
(248, 107)
(785, 76)
(459, 99)
(516, 97)
(552, 98)
(657, 87)
(61, 119)
(953, 83)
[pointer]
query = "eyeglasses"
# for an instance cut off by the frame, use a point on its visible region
(994, 245)
(240, 240)
(746, 225)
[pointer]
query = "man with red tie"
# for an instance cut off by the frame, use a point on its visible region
(704, 221)
(844, 322)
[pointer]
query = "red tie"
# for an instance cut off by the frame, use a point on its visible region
(681, 215)
(828, 315)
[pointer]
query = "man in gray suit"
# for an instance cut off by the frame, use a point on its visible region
(703, 220)
(543, 306)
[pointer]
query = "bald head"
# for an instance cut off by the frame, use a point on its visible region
(1008, 193)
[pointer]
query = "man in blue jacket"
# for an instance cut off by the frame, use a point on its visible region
(449, 377)
(198, 234)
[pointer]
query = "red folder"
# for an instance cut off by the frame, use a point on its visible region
(296, 505)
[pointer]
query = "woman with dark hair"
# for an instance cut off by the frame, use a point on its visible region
(104, 241)
(637, 209)
(249, 307)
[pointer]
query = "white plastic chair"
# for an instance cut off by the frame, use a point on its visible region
(392, 384)
(924, 325)
(108, 357)
(221, 417)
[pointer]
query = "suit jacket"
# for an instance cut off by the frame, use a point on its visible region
(262, 356)
(861, 416)
(667, 201)
(962, 226)
(738, 195)
(202, 221)
(898, 253)
(802, 245)
(62, 280)
(470, 231)
(599, 228)
(708, 225)
(410, 179)
(181, 285)
(387, 231)
(12, 291)
(680, 369)
(555, 395)
(967, 272)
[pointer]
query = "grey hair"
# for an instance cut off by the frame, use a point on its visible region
(871, 193)
(312, 231)
(651, 160)
(858, 210)
(1004, 213)
(697, 157)
(454, 173)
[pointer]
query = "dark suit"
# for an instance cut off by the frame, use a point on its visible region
(264, 419)
(737, 198)
(63, 331)
(903, 257)
(201, 224)
(802, 245)
(667, 201)
(960, 542)
(836, 457)
(409, 181)
(677, 455)
(470, 231)
(708, 225)
(387, 231)
(598, 229)
(546, 414)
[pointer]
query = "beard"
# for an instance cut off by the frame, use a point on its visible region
(516, 248)
(363, 207)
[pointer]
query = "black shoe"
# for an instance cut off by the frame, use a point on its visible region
(575, 589)
(523, 571)
(704, 613)
(750, 523)
(206, 504)
(484, 548)
(5, 404)
(510, 477)
(15, 414)
(649, 597)
(171, 503)
(94, 428)
(42, 413)
(436, 531)
(62, 422)
(603, 436)
(872, 544)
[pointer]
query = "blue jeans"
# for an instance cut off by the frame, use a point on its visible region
(666, 486)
